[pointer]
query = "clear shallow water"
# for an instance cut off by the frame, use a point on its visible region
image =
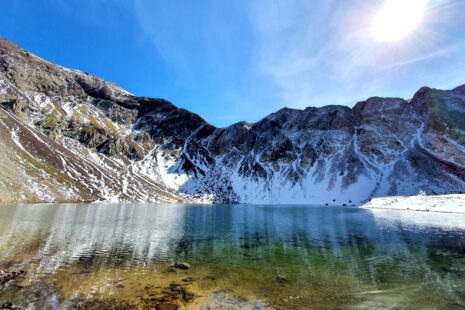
(284, 257)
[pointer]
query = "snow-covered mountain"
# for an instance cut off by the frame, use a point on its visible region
(66, 135)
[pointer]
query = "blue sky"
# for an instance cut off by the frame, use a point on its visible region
(240, 59)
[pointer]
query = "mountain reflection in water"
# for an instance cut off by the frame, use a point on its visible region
(269, 252)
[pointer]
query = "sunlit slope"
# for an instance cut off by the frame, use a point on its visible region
(35, 168)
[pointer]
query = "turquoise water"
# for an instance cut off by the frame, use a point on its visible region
(283, 257)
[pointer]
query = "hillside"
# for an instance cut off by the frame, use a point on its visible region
(71, 136)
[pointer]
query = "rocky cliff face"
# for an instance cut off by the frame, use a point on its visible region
(70, 136)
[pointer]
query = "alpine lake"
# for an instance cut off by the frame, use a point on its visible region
(164, 256)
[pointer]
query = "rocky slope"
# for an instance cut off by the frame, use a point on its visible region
(70, 136)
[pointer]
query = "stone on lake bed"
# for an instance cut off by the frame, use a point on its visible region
(167, 306)
(182, 265)
(10, 306)
(6, 276)
(281, 279)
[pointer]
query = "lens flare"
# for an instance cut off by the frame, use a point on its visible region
(397, 19)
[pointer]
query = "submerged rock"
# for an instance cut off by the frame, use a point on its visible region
(6, 276)
(169, 297)
(221, 300)
(282, 279)
(167, 306)
(182, 265)
(10, 306)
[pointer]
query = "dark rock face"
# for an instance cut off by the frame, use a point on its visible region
(77, 137)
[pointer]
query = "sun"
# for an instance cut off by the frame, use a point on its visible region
(397, 19)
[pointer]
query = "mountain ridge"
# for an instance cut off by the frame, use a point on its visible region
(143, 149)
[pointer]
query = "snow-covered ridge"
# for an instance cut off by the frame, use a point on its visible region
(439, 203)
(73, 136)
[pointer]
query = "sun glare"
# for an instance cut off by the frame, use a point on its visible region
(397, 19)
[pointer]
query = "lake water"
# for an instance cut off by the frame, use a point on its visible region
(237, 257)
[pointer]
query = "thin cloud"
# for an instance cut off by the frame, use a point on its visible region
(259, 55)
(321, 52)
(434, 54)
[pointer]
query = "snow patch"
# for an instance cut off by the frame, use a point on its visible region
(440, 203)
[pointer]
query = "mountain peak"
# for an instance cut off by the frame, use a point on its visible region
(71, 136)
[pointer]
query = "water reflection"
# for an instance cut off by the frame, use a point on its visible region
(70, 232)
(368, 250)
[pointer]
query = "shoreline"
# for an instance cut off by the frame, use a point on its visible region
(453, 203)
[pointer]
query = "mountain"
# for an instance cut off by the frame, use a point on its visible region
(69, 136)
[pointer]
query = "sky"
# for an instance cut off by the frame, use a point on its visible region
(235, 60)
